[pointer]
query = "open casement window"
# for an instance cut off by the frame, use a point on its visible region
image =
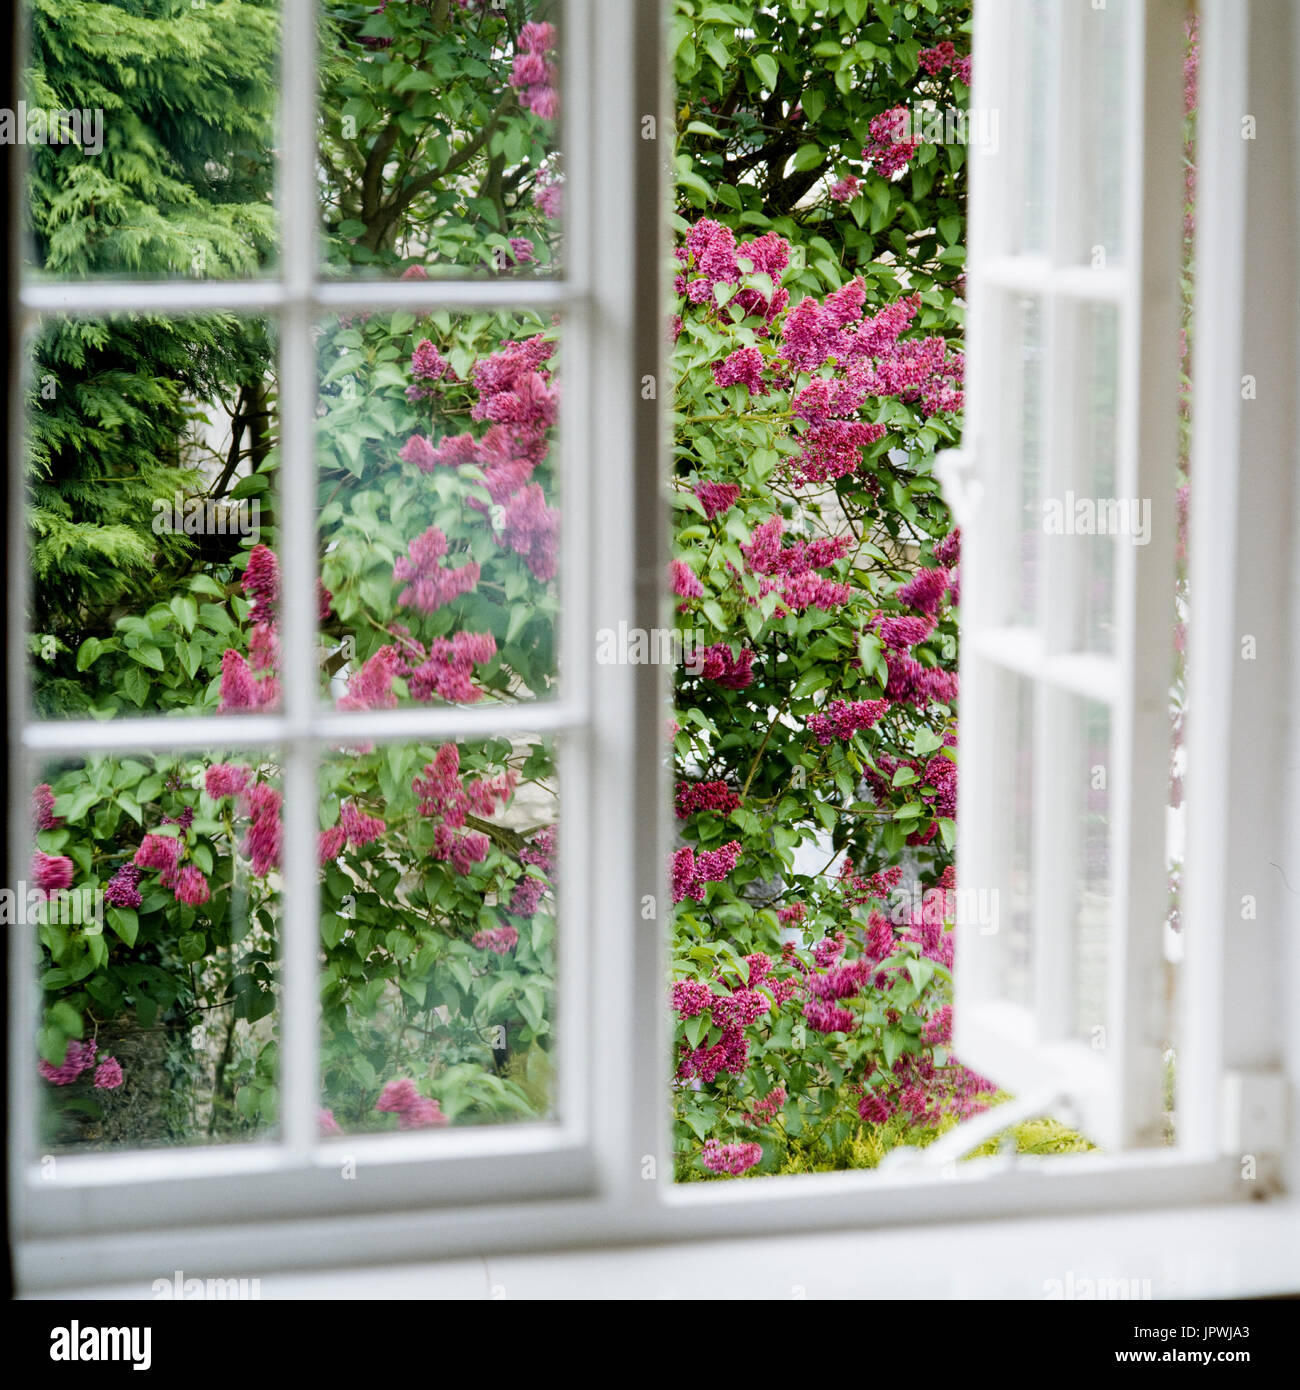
(1067, 483)
(1073, 388)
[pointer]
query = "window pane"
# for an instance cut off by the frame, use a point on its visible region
(438, 516)
(150, 139)
(1034, 113)
(1118, 520)
(438, 934)
(151, 448)
(1020, 427)
(439, 138)
(1102, 133)
(157, 949)
(1089, 774)
(1014, 920)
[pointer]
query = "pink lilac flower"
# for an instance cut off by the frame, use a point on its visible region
(51, 872)
(532, 530)
(240, 689)
(902, 633)
(693, 797)
(427, 363)
(711, 253)
(225, 779)
(788, 916)
(961, 69)
(764, 1110)
(412, 272)
(108, 1074)
(261, 584)
(526, 895)
(829, 949)
(420, 452)
(911, 683)
(499, 940)
(371, 687)
(691, 997)
(691, 873)
(841, 719)
(740, 1008)
(122, 890)
(548, 197)
(947, 552)
(827, 1018)
(329, 844)
(744, 367)
(422, 1113)
(717, 497)
(888, 149)
(448, 668)
(191, 886)
(938, 1029)
(684, 580)
(521, 250)
(78, 1057)
(845, 189)
(874, 1108)
(43, 817)
(429, 584)
(730, 1158)
(935, 60)
(262, 841)
(533, 74)
(397, 1096)
(732, 672)
(359, 828)
(161, 852)
(326, 1125)
(925, 590)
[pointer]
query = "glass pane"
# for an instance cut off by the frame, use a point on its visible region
(1022, 415)
(1102, 136)
(149, 133)
(438, 934)
(1034, 136)
(153, 891)
(1090, 772)
(438, 516)
(439, 139)
(1013, 939)
(151, 447)
(1117, 520)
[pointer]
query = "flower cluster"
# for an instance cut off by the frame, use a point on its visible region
(499, 940)
(413, 1110)
(889, 148)
(942, 57)
(693, 797)
(692, 872)
(716, 663)
(429, 583)
(79, 1058)
(842, 719)
(534, 72)
(448, 799)
(791, 571)
(712, 257)
(731, 1158)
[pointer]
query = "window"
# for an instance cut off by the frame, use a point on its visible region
(1066, 663)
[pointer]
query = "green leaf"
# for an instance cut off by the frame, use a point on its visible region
(765, 66)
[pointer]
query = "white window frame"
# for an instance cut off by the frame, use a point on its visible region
(603, 1173)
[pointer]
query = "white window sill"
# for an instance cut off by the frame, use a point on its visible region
(1234, 1251)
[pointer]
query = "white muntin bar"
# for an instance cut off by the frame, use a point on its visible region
(300, 989)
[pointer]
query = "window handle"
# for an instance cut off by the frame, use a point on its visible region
(959, 472)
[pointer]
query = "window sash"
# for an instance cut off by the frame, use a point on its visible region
(1118, 1088)
(544, 1158)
